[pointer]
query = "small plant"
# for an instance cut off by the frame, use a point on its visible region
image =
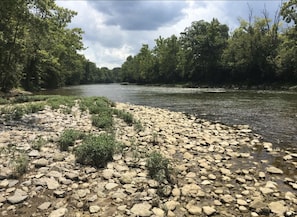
(68, 138)
(96, 150)
(158, 167)
(138, 126)
(21, 165)
(103, 120)
(37, 144)
(126, 116)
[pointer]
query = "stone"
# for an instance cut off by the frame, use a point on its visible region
(266, 191)
(44, 206)
(190, 190)
(176, 192)
(142, 209)
(52, 184)
(225, 171)
(208, 210)
(171, 205)
(193, 209)
(110, 186)
(262, 175)
(18, 197)
(107, 173)
(278, 207)
(274, 170)
(241, 202)
(42, 162)
(227, 198)
(158, 212)
(59, 212)
(94, 209)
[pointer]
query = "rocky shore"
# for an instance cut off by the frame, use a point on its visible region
(217, 169)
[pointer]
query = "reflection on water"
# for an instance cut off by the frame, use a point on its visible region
(273, 114)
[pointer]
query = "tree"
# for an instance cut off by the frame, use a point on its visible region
(166, 52)
(202, 45)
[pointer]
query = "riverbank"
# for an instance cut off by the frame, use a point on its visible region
(217, 171)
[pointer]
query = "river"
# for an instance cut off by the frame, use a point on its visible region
(272, 114)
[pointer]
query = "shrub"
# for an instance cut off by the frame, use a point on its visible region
(37, 144)
(68, 138)
(126, 116)
(96, 150)
(21, 165)
(103, 120)
(158, 167)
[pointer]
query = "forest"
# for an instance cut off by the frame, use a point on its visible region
(38, 50)
(260, 51)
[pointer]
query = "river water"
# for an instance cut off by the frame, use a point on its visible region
(272, 114)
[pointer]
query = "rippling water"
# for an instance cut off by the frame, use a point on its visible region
(272, 114)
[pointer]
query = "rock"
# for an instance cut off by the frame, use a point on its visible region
(274, 170)
(44, 206)
(193, 209)
(110, 186)
(261, 175)
(18, 197)
(52, 184)
(227, 198)
(278, 207)
(107, 173)
(208, 210)
(59, 194)
(266, 191)
(59, 212)
(176, 192)
(142, 209)
(225, 171)
(40, 163)
(241, 202)
(4, 183)
(171, 205)
(190, 190)
(94, 209)
(158, 212)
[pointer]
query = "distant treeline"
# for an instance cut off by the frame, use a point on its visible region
(39, 50)
(259, 51)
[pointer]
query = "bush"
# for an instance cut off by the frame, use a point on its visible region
(126, 116)
(37, 144)
(158, 167)
(103, 120)
(68, 138)
(96, 150)
(21, 165)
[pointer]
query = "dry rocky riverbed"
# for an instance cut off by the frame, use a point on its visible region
(216, 170)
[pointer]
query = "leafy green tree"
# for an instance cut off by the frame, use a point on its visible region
(203, 44)
(251, 52)
(166, 51)
(14, 15)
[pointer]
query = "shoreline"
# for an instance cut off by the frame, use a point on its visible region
(218, 170)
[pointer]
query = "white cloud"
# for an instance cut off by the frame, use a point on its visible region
(116, 29)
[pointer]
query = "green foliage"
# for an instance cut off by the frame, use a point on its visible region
(126, 116)
(56, 101)
(158, 167)
(96, 150)
(37, 144)
(68, 137)
(21, 163)
(103, 120)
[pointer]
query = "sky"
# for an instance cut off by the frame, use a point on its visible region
(115, 29)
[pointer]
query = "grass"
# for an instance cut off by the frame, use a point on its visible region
(68, 138)
(20, 165)
(96, 151)
(159, 167)
(37, 144)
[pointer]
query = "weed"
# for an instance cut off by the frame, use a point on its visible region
(126, 116)
(37, 144)
(158, 167)
(138, 126)
(21, 165)
(103, 120)
(68, 138)
(96, 150)
(56, 101)
(3, 101)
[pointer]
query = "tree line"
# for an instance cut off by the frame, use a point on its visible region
(259, 51)
(39, 50)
